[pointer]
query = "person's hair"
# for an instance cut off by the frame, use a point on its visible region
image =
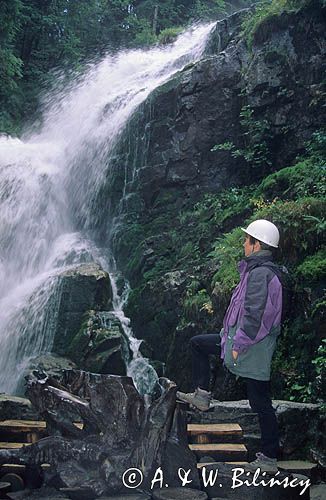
(264, 246)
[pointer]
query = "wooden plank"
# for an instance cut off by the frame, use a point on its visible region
(18, 468)
(237, 463)
(217, 429)
(27, 425)
(200, 465)
(12, 446)
(225, 447)
(23, 425)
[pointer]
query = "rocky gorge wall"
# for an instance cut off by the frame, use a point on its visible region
(167, 147)
(215, 146)
(244, 111)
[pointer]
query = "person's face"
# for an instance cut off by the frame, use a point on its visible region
(249, 248)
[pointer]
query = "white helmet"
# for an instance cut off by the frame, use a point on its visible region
(264, 231)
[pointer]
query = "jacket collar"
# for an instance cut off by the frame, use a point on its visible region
(255, 258)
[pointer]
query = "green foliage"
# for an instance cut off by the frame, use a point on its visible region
(316, 147)
(265, 12)
(255, 135)
(207, 9)
(10, 63)
(320, 360)
(227, 252)
(168, 35)
(196, 305)
(313, 268)
(220, 210)
(306, 178)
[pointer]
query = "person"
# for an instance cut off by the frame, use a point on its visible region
(247, 340)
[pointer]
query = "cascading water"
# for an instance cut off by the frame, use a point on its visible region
(48, 186)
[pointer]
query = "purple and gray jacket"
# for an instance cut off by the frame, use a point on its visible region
(253, 319)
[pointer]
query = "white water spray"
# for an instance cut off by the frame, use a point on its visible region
(49, 181)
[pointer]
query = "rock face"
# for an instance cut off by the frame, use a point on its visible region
(184, 118)
(82, 288)
(212, 102)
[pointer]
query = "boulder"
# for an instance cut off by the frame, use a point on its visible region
(51, 364)
(100, 344)
(82, 288)
(16, 408)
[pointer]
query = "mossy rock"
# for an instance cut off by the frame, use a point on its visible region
(100, 345)
(81, 288)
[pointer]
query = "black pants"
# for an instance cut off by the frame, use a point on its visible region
(258, 391)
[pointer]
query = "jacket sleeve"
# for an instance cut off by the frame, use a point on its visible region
(258, 314)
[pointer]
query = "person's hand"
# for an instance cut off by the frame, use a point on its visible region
(235, 354)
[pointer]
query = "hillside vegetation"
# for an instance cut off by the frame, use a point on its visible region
(205, 243)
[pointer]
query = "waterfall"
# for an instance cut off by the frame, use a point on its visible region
(48, 186)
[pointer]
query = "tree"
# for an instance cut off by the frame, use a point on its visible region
(10, 64)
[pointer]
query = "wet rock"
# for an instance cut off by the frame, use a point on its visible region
(160, 304)
(13, 407)
(50, 364)
(100, 344)
(81, 289)
(225, 31)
